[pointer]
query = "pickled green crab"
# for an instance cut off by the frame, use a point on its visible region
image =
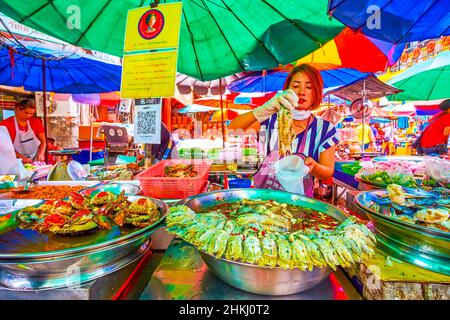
(255, 235)
(102, 197)
(140, 213)
(80, 215)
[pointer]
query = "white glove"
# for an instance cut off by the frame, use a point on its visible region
(287, 98)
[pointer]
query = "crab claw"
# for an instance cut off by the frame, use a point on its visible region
(105, 210)
(102, 222)
(119, 219)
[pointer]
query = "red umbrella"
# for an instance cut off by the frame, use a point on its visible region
(109, 99)
(353, 49)
(229, 114)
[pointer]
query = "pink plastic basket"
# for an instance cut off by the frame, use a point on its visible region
(155, 185)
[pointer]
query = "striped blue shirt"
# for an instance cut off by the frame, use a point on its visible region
(321, 136)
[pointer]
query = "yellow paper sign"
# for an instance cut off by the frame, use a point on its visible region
(153, 28)
(149, 75)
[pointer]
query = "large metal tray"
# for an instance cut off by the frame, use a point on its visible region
(370, 185)
(398, 158)
(33, 261)
(114, 187)
(416, 244)
(86, 184)
(252, 278)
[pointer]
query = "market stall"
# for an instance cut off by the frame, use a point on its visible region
(190, 223)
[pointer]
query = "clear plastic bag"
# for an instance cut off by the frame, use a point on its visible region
(290, 172)
(437, 168)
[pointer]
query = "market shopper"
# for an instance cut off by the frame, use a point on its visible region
(365, 135)
(315, 138)
(434, 138)
(388, 146)
(26, 132)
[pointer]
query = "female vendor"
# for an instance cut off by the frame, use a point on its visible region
(316, 139)
(26, 132)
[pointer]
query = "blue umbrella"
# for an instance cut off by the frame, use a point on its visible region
(38, 66)
(274, 80)
(397, 21)
(66, 70)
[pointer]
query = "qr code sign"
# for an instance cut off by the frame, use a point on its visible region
(146, 122)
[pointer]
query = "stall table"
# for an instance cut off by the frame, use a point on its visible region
(182, 274)
(343, 180)
(121, 284)
(386, 278)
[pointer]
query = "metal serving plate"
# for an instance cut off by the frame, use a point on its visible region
(114, 187)
(10, 205)
(416, 244)
(370, 185)
(33, 261)
(398, 158)
(85, 184)
(252, 278)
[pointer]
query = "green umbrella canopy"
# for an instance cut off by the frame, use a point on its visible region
(427, 80)
(217, 37)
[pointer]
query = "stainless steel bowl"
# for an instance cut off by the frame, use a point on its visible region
(33, 261)
(266, 281)
(416, 244)
(252, 278)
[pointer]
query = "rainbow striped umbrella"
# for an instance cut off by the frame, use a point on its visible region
(353, 49)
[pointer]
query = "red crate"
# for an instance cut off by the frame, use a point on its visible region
(155, 185)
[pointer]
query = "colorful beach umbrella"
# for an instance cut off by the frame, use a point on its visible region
(427, 108)
(427, 80)
(353, 49)
(396, 21)
(217, 38)
(274, 80)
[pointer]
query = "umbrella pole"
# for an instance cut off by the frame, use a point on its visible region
(44, 103)
(363, 116)
(222, 115)
(92, 135)
(225, 176)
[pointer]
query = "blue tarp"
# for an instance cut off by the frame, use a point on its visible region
(397, 21)
(403, 122)
(274, 80)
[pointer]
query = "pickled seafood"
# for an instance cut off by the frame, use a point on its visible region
(430, 209)
(269, 234)
(180, 171)
(79, 215)
(286, 133)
